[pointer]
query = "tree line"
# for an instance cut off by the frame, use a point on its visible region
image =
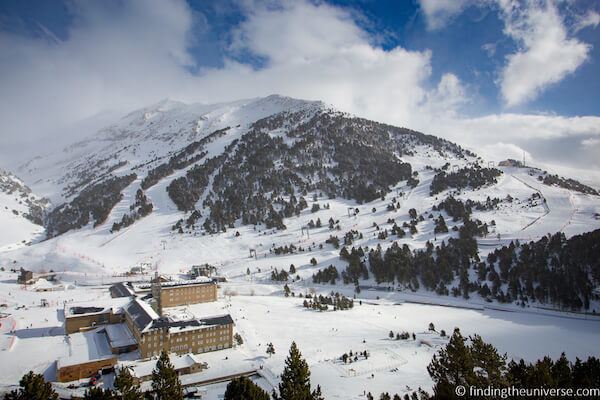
(166, 385)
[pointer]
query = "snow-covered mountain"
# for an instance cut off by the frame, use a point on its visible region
(288, 181)
(143, 139)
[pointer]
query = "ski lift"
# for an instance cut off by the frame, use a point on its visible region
(305, 228)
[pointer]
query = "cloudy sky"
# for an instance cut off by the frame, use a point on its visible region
(503, 77)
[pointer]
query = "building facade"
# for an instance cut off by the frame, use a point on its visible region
(84, 317)
(181, 293)
(198, 335)
(71, 372)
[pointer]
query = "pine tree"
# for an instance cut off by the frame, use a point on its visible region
(126, 387)
(165, 382)
(32, 387)
(244, 389)
(295, 379)
(97, 393)
(238, 339)
(561, 371)
(270, 349)
(451, 367)
(490, 366)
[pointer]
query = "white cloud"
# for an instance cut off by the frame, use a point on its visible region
(447, 98)
(547, 54)
(137, 55)
(501, 151)
(439, 12)
(591, 142)
(590, 19)
(112, 59)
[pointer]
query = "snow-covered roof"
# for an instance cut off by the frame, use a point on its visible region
(85, 347)
(193, 323)
(141, 369)
(141, 314)
(119, 335)
(121, 290)
(145, 318)
(201, 280)
(114, 305)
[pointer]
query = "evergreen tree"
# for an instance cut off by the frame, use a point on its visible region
(97, 393)
(270, 349)
(295, 379)
(238, 339)
(126, 387)
(451, 367)
(165, 382)
(244, 389)
(561, 372)
(32, 387)
(490, 366)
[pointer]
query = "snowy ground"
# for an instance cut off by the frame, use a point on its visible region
(268, 316)
(15, 230)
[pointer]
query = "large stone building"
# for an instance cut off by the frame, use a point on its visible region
(154, 333)
(124, 323)
(180, 293)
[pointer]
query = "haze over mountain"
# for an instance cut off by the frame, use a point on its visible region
(405, 63)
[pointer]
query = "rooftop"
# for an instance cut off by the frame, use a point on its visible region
(194, 323)
(201, 280)
(119, 335)
(141, 314)
(85, 347)
(145, 318)
(141, 369)
(121, 290)
(79, 308)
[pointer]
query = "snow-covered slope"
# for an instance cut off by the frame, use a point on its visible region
(259, 185)
(143, 138)
(324, 153)
(21, 213)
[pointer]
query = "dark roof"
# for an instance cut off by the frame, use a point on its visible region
(220, 320)
(139, 315)
(165, 322)
(120, 290)
(176, 284)
(86, 310)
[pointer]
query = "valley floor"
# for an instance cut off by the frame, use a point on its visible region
(33, 336)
